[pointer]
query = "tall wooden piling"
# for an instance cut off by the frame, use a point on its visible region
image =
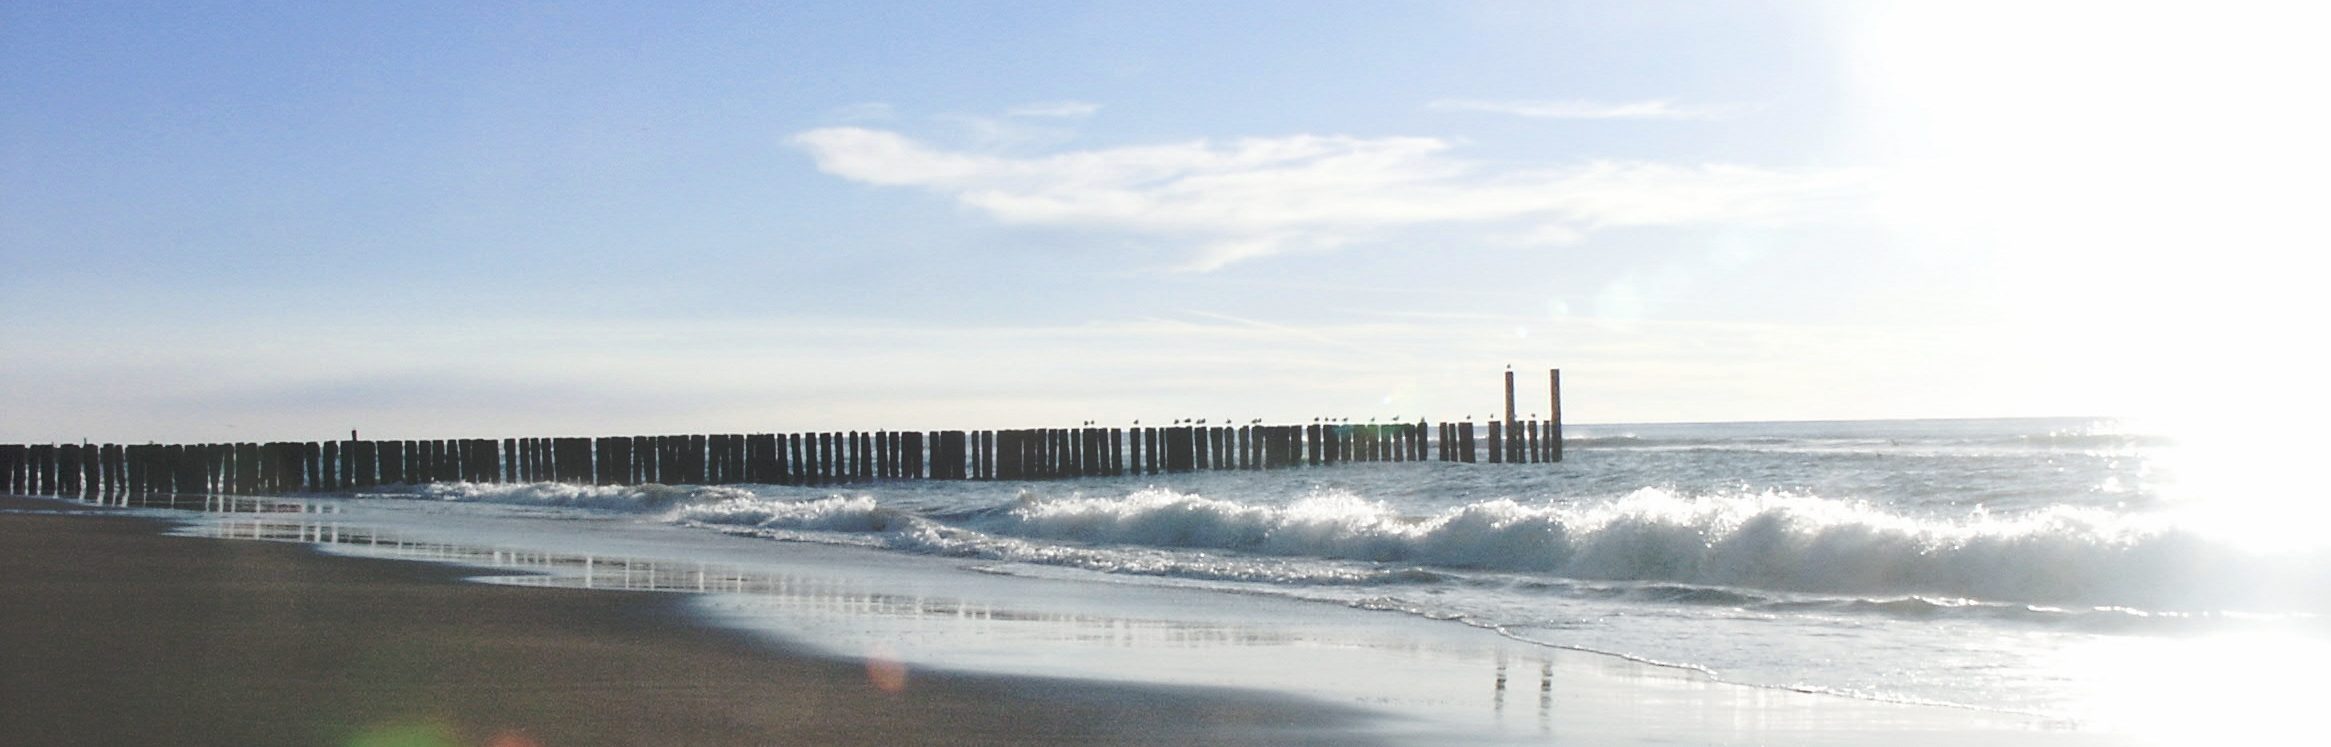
(1554, 397)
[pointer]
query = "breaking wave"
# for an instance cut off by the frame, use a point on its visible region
(1768, 541)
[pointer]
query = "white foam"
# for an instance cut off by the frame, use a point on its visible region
(1768, 540)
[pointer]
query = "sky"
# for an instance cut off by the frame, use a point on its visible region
(283, 221)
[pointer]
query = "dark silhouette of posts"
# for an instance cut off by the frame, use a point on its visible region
(793, 459)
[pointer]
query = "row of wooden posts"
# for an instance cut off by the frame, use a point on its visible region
(780, 459)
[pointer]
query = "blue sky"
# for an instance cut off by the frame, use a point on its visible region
(283, 220)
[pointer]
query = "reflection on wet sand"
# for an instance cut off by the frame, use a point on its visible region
(894, 629)
(1431, 680)
(781, 591)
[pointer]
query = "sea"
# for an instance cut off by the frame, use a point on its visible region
(2091, 578)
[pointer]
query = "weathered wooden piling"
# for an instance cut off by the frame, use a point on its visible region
(1554, 418)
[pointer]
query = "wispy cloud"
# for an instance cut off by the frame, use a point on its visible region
(1055, 109)
(1645, 109)
(1256, 197)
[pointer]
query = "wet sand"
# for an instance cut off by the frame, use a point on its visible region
(113, 633)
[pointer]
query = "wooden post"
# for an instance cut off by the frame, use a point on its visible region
(444, 461)
(1554, 394)
(1511, 435)
(975, 463)
(976, 447)
(957, 464)
(1008, 455)
(786, 459)
(68, 469)
(346, 472)
(109, 470)
(328, 467)
(478, 462)
(792, 464)
(73, 469)
(940, 444)
(133, 471)
(822, 462)
(175, 464)
(11, 469)
(92, 470)
(20, 472)
(391, 462)
(365, 460)
(616, 466)
(761, 459)
(43, 479)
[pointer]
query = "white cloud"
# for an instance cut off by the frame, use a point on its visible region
(1055, 109)
(1645, 109)
(1255, 197)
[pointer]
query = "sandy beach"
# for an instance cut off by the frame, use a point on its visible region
(114, 633)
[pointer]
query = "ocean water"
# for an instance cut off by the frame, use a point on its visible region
(2090, 575)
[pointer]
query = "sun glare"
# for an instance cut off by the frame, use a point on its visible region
(2134, 185)
(2236, 476)
(2242, 688)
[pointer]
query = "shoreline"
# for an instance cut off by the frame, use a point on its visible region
(993, 659)
(115, 632)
